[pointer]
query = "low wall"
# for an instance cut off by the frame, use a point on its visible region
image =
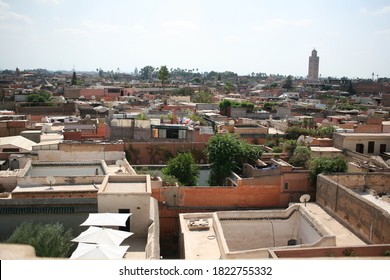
(152, 248)
(367, 220)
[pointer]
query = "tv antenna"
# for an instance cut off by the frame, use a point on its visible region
(51, 181)
(304, 198)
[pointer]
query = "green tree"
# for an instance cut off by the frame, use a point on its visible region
(289, 146)
(227, 153)
(301, 157)
(49, 240)
(326, 165)
(41, 97)
(229, 86)
(74, 78)
(293, 132)
(163, 75)
(203, 97)
(147, 72)
(326, 131)
(183, 167)
(288, 83)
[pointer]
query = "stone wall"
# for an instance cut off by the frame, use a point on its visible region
(367, 220)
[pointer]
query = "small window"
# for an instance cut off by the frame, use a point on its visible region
(285, 186)
(360, 148)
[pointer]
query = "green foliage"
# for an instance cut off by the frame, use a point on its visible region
(326, 131)
(223, 105)
(301, 157)
(326, 165)
(185, 91)
(277, 149)
(229, 86)
(49, 240)
(203, 97)
(349, 252)
(293, 132)
(168, 180)
(288, 83)
(163, 74)
(183, 168)
(289, 146)
(270, 106)
(146, 72)
(227, 153)
(142, 116)
(40, 97)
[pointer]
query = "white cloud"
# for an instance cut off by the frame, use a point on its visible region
(282, 23)
(103, 27)
(73, 31)
(7, 15)
(48, 2)
(383, 32)
(232, 39)
(382, 11)
(180, 26)
(4, 6)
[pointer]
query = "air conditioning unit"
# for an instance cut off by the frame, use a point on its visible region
(198, 224)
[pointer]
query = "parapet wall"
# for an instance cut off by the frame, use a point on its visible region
(367, 220)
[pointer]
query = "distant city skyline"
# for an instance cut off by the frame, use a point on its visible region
(274, 37)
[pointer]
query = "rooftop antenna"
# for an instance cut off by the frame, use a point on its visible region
(50, 180)
(304, 198)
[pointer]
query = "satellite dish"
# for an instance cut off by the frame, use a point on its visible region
(93, 97)
(50, 180)
(231, 122)
(309, 139)
(119, 163)
(304, 198)
(301, 139)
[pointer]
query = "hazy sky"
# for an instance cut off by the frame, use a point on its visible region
(276, 37)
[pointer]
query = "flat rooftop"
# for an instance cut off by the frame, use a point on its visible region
(382, 202)
(325, 149)
(344, 237)
(121, 187)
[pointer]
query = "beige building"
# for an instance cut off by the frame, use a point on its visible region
(364, 143)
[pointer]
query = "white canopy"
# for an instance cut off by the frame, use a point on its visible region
(102, 236)
(106, 219)
(99, 252)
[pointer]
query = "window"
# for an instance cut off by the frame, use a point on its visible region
(382, 148)
(360, 148)
(285, 186)
(371, 145)
(172, 134)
